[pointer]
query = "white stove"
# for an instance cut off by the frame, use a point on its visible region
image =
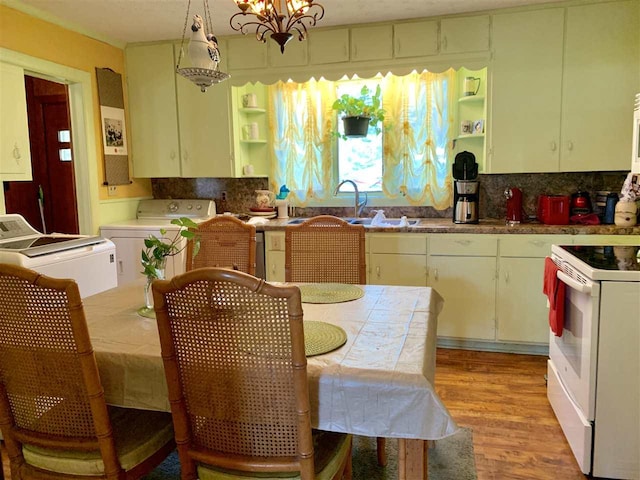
(153, 215)
(89, 260)
(594, 365)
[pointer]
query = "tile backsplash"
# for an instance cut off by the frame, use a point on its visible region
(237, 194)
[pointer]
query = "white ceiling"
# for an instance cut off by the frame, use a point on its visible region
(124, 21)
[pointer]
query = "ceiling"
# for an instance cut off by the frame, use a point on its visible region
(123, 21)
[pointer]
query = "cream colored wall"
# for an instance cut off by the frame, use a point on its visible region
(28, 35)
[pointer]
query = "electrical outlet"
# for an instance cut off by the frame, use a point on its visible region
(112, 190)
(224, 196)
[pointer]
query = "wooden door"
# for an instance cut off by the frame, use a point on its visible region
(51, 159)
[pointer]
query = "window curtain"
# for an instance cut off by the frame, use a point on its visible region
(416, 143)
(302, 122)
(417, 146)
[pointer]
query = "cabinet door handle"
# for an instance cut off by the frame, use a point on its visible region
(435, 274)
(120, 267)
(16, 152)
(553, 146)
(506, 277)
(172, 155)
(463, 242)
(444, 42)
(378, 271)
(185, 156)
(273, 268)
(570, 145)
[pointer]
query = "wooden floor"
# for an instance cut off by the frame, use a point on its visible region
(502, 398)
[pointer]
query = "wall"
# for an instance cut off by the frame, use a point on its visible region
(28, 35)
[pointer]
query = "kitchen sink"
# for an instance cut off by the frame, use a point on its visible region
(392, 222)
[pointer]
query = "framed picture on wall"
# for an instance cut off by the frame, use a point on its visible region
(114, 135)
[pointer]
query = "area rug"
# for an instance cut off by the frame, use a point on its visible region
(451, 459)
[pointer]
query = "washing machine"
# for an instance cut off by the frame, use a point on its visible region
(89, 260)
(152, 215)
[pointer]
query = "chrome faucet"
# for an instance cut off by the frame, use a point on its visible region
(357, 211)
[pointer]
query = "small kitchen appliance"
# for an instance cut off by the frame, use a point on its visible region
(553, 209)
(580, 204)
(465, 188)
(514, 205)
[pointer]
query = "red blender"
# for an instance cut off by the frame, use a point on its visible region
(514, 205)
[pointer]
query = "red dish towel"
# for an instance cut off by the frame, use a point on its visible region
(554, 289)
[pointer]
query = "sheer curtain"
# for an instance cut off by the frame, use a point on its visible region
(301, 122)
(416, 139)
(417, 146)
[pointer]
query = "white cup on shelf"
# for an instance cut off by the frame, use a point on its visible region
(250, 131)
(249, 100)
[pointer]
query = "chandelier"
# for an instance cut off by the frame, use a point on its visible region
(271, 17)
(203, 51)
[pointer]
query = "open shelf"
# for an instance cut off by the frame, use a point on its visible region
(252, 111)
(471, 98)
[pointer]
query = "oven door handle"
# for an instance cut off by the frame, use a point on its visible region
(580, 287)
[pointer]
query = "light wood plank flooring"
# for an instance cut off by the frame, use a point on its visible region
(502, 397)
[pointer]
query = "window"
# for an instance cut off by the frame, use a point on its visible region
(359, 159)
(409, 162)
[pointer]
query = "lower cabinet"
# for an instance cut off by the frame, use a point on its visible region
(462, 269)
(274, 256)
(521, 307)
(397, 259)
(491, 284)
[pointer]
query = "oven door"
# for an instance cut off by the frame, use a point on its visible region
(574, 354)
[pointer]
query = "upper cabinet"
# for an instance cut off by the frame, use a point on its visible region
(415, 39)
(176, 130)
(563, 85)
(372, 43)
(329, 46)
(15, 154)
(464, 34)
(601, 78)
(526, 91)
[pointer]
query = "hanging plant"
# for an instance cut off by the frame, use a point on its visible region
(365, 109)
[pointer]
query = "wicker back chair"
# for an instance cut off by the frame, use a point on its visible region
(225, 242)
(233, 352)
(53, 414)
(325, 249)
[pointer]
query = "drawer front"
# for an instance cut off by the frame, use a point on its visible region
(409, 243)
(463, 245)
(531, 246)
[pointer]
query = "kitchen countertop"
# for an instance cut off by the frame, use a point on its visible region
(486, 226)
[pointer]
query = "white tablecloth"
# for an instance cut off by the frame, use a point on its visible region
(380, 383)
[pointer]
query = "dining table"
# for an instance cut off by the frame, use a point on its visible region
(378, 383)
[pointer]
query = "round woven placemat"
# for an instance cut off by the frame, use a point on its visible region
(322, 337)
(330, 292)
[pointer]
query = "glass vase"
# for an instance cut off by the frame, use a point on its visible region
(147, 310)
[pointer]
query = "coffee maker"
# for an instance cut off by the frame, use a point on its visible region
(465, 188)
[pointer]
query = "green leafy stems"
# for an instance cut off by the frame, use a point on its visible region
(157, 250)
(368, 104)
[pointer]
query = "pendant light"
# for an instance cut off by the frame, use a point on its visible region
(203, 51)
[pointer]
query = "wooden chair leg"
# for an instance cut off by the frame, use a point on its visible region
(382, 452)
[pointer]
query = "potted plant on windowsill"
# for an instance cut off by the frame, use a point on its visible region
(360, 113)
(156, 251)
